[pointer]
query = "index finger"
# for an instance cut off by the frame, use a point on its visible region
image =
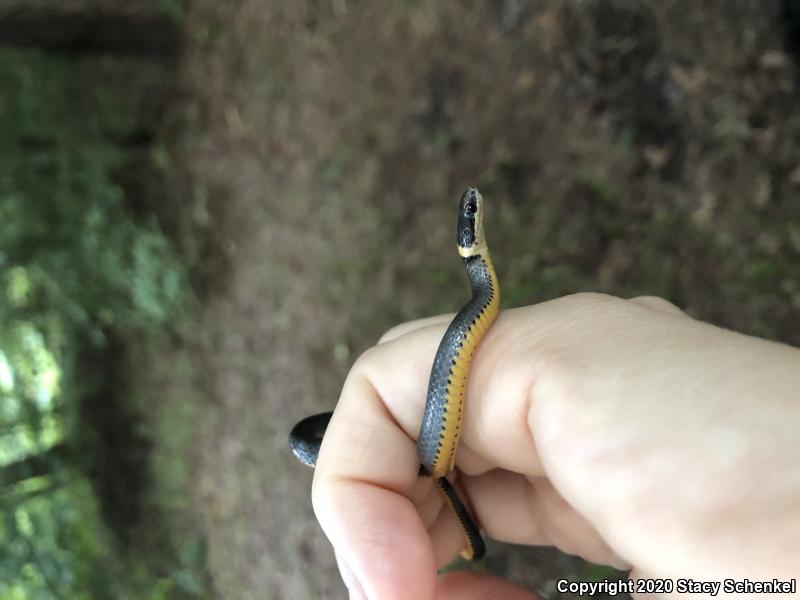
(368, 468)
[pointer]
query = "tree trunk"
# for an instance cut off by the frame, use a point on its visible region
(34, 465)
(123, 26)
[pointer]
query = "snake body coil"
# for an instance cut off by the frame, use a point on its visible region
(444, 407)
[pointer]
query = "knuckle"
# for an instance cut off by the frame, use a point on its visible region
(365, 360)
(582, 300)
(657, 303)
(391, 333)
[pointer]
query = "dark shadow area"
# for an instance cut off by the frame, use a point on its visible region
(791, 15)
(88, 26)
(113, 451)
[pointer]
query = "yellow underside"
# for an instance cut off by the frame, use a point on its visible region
(456, 389)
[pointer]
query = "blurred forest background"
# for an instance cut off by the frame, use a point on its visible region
(201, 207)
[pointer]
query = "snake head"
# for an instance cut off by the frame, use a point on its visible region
(470, 224)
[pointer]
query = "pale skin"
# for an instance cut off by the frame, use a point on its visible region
(622, 431)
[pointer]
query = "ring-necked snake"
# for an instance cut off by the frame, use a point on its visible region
(444, 406)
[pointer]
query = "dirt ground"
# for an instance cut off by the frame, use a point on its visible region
(319, 150)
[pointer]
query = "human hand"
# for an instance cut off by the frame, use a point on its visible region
(621, 431)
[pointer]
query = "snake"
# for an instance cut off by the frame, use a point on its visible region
(440, 429)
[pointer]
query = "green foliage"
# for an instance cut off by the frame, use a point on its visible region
(63, 216)
(75, 264)
(50, 542)
(175, 9)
